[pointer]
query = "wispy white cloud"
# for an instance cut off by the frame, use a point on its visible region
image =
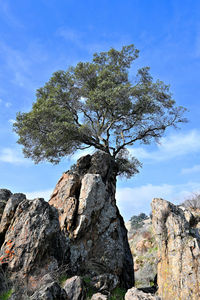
(22, 64)
(191, 170)
(6, 104)
(70, 35)
(175, 145)
(81, 153)
(12, 156)
(39, 194)
(8, 15)
(132, 201)
(80, 39)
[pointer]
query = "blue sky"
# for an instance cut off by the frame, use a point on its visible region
(40, 37)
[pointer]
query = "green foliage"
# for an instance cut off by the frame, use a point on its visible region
(118, 294)
(137, 221)
(62, 279)
(94, 104)
(6, 295)
(154, 249)
(88, 287)
(86, 280)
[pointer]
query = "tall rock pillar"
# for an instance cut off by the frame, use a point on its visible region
(90, 220)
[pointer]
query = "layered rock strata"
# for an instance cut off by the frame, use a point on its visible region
(177, 232)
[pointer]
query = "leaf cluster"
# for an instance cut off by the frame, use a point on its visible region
(95, 104)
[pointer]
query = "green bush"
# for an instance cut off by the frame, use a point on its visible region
(137, 221)
(118, 294)
(62, 279)
(6, 295)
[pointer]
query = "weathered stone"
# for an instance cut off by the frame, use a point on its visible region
(135, 294)
(90, 201)
(33, 245)
(51, 291)
(105, 282)
(74, 288)
(97, 235)
(99, 296)
(8, 213)
(144, 250)
(4, 196)
(64, 198)
(177, 234)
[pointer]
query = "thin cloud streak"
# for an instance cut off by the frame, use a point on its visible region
(132, 201)
(171, 147)
(12, 156)
(194, 169)
(39, 194)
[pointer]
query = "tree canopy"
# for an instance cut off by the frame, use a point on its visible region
(96, 104)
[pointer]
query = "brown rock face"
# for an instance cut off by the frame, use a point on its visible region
(177, 234)
(89, 218)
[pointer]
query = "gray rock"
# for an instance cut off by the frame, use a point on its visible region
(51, 291)
(74, 288)
(99, 296)
(4, 196)
(9, 211)
(33, 245)
(105, 282)
(97, 235)
(135, 294)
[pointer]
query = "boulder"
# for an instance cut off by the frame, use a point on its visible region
(51, 291)
(99, 296)
(91, 220)
(33, 245)
(135, 294)
(74, 288)
(177, 233)
(105, 282)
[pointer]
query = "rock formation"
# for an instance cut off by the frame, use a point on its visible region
(32, 246)
(89, 218)
(177, 233)
(135, 294)
(144, 250)
(79, 231)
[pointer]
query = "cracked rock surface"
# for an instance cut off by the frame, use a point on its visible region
(91, 221)
(177, 232)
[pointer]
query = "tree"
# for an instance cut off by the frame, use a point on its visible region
(96, 104)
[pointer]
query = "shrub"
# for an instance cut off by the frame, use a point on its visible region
(193, 201)
(137, 221)
(6, 295)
